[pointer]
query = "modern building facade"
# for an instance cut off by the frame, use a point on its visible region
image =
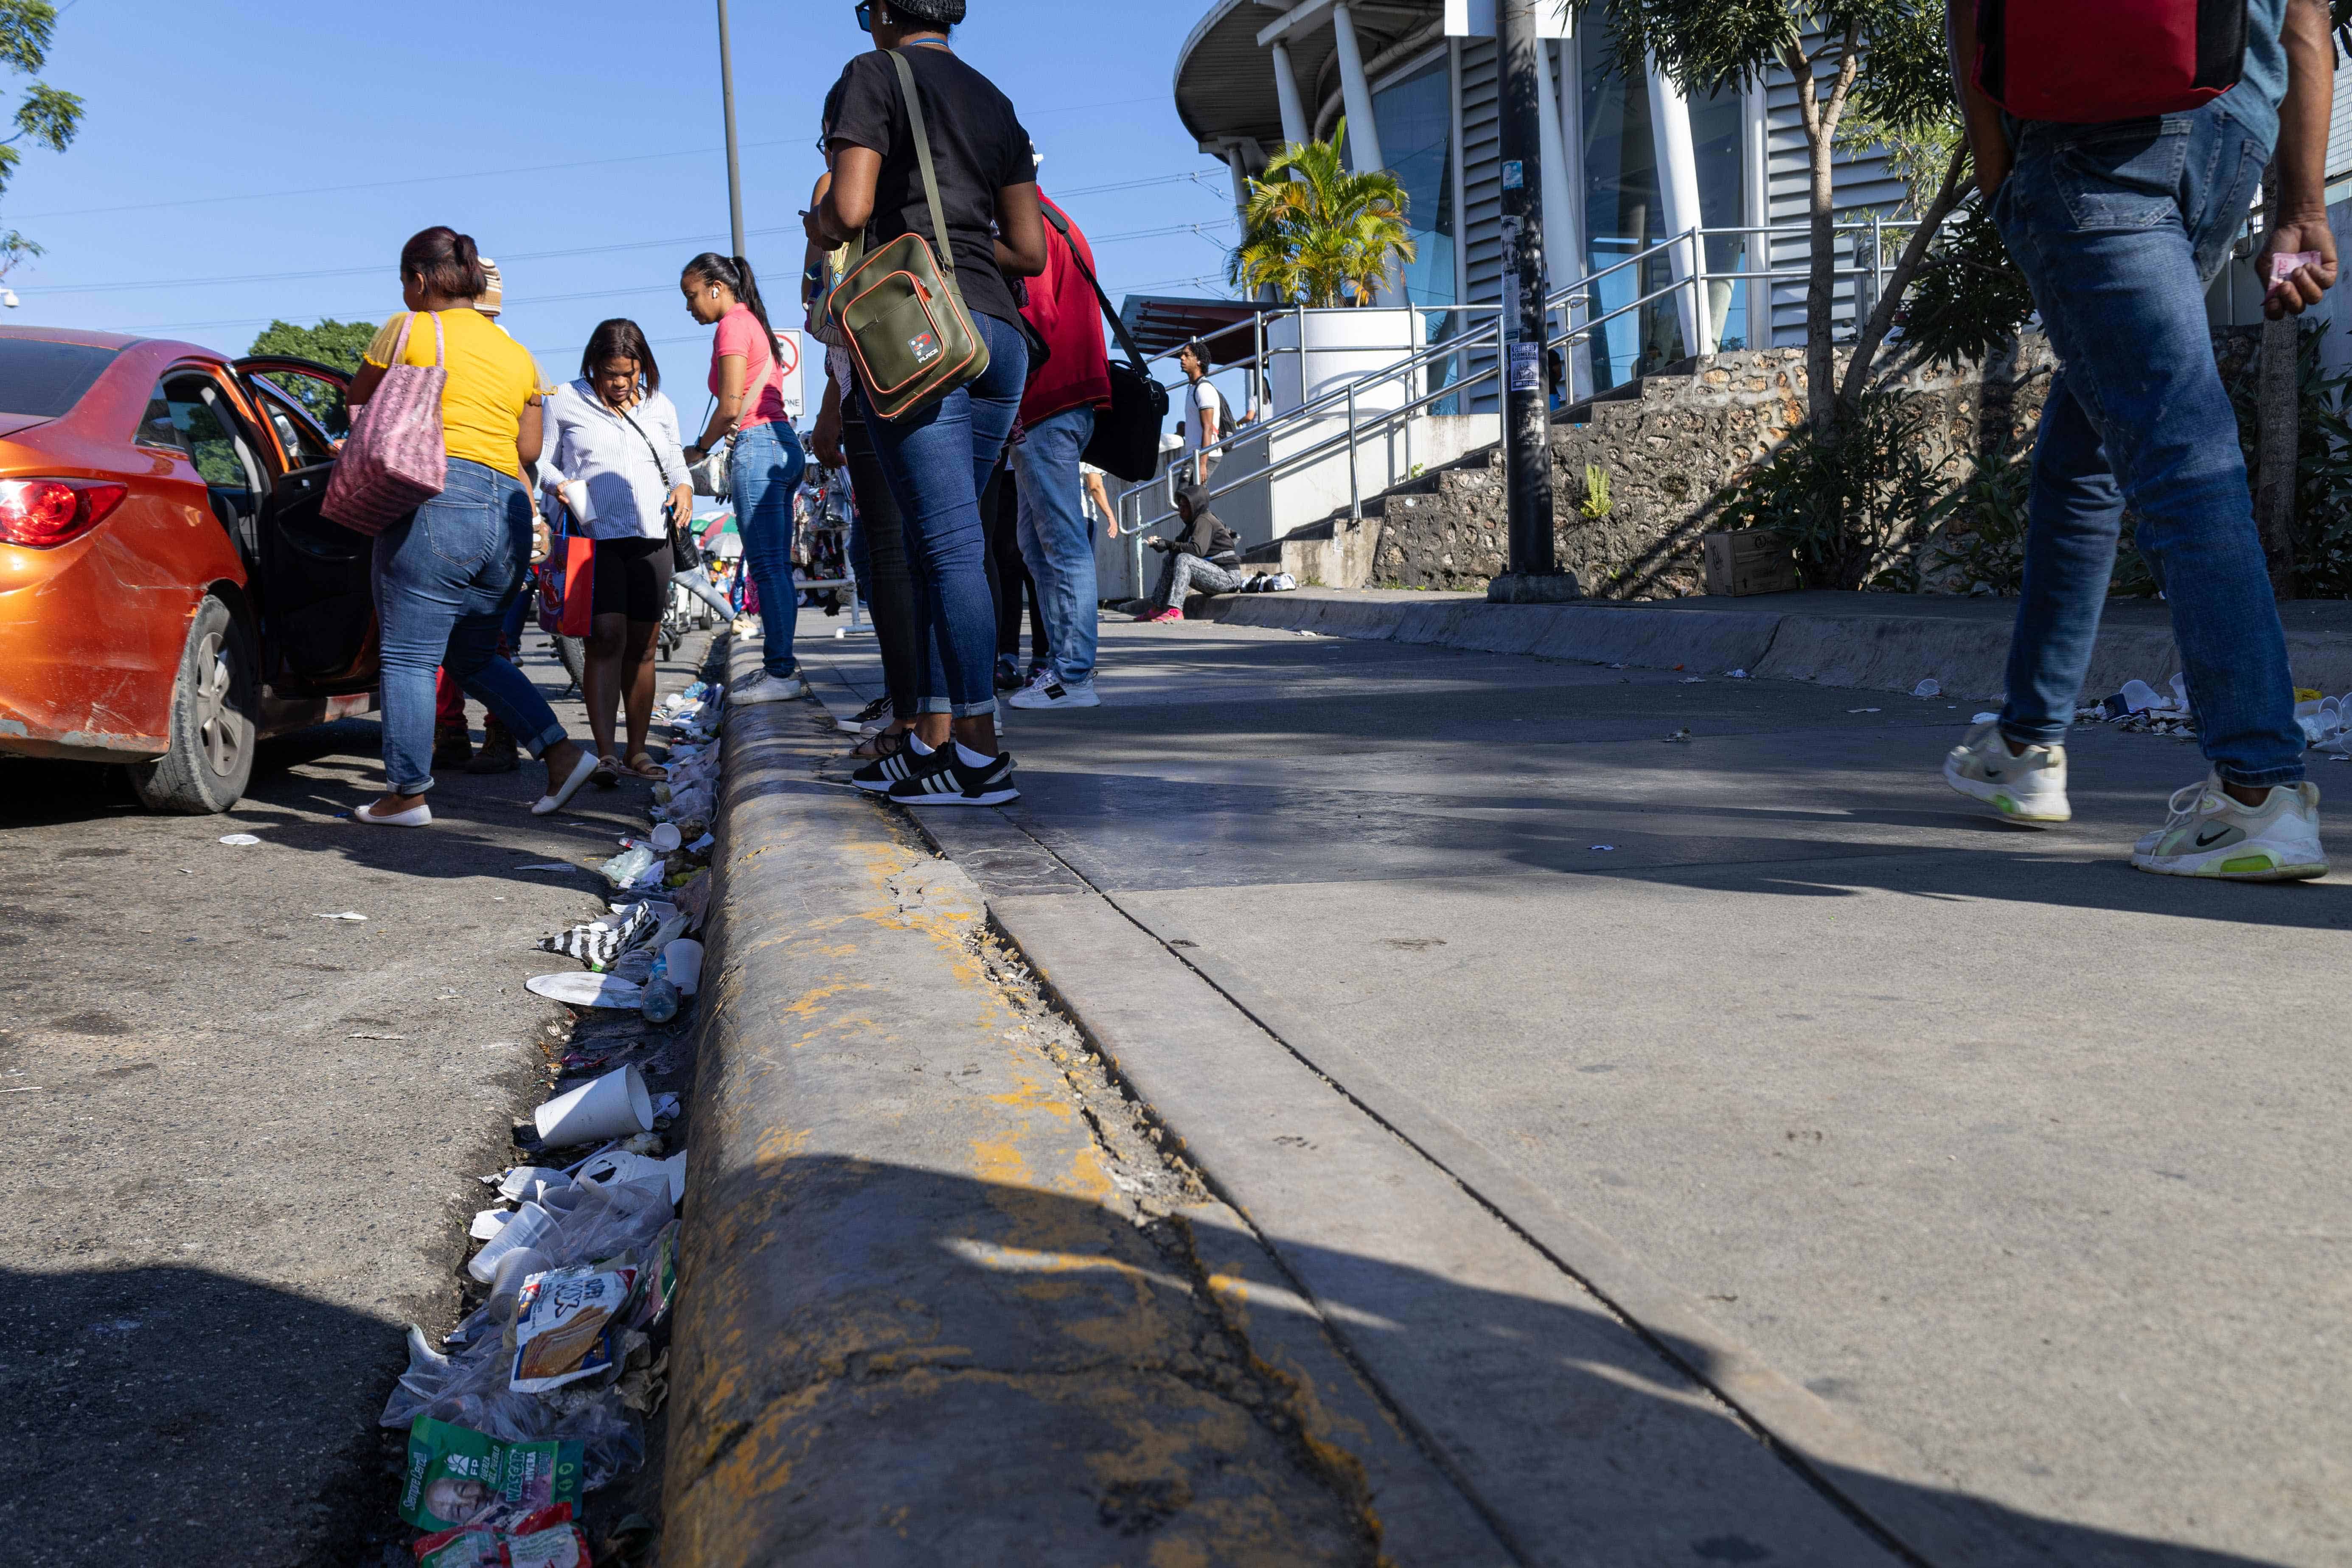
(1630, 161)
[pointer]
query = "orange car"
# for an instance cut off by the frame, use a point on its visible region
(169, 592)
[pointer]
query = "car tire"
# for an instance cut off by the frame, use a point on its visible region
(213, 728)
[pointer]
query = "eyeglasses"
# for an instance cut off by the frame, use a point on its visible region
(864, 15)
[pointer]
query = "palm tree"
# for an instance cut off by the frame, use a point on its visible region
(1325, 236)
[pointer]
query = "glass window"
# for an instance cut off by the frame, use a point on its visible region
(1625, 212)
(1416, 121)
(45, 379)
(180, 416)
(300, 440)
(319, 397)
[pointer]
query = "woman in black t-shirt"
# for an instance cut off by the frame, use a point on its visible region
(937, 460)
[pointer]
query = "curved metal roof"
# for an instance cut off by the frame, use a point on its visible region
(1225, 77)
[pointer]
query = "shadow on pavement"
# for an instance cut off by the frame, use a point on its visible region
(179, 1415)
(868, 1386)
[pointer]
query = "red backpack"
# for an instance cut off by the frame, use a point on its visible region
(2085, 61)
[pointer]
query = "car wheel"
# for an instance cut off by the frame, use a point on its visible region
(213, 728)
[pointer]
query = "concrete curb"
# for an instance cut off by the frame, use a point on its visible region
(922, 1319)
(1209, 1073)
(1889, 652)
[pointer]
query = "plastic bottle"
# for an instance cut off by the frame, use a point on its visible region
(660, 1003)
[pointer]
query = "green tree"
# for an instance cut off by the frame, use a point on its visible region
(336, 343)
(1317, 234)
(1881, 60)
(45, 116)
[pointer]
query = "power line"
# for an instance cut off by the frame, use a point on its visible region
(385, 184)
(378, 267)
(1193, 177)
(54, 288)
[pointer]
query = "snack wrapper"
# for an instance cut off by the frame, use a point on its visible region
(547, 1539)
(457, 1476)
(563, 1322)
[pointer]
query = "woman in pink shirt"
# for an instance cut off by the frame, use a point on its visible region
(763, 467)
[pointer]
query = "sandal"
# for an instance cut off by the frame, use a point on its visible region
(641, 765)
(881, 744)
(607, 773)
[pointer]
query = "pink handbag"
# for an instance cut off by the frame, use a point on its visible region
(394, 461)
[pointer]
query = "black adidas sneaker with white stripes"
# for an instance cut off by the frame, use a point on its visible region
(956, 784)
(882, 773)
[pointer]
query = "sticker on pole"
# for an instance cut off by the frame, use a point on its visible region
(1514, 175)
(1527, 368)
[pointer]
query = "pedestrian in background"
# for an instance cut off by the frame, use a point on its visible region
(1205, 409)
(444, 575)
(938, 459)
(878, 535)
(1010, 580)
(764, 462)
(1204, 556)
(614, 447)
(452, 745)
(2120, 228)
(1057, 420)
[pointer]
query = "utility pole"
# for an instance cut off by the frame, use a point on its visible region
(1533, 575)
(727, 97)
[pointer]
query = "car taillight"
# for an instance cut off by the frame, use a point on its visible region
(42, 513)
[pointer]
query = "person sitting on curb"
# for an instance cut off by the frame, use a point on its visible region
(1204, 555)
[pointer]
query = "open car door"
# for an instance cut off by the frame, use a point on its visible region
(317, 614)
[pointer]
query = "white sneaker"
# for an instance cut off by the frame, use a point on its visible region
(2026, 788)
(1050, 691)
(2210, 835)
(746, 627)
(760, 687)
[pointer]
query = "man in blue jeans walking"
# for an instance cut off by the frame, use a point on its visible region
(2119, 228)
(1057, 420)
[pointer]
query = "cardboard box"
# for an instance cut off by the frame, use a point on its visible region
(1750, 560)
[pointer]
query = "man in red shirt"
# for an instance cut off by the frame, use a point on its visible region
(1057, 420)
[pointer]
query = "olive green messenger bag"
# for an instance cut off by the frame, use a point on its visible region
(900, 309)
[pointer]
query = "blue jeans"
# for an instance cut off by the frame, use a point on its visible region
(2120, 228)
(1057, 541)
(937, 462)
(763, 469)
(445, 577)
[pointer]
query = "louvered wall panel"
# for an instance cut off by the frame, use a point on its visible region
(2339, 122)
(1482, 188)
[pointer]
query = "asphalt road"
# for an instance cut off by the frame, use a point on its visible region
(2027, 1160)
(241, 1137)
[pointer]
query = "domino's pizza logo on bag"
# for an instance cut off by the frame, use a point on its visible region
(924, 346)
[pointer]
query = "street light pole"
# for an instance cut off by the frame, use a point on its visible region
(1533, 575)
(727, 97)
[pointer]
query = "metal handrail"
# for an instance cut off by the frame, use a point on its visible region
(1487, 338)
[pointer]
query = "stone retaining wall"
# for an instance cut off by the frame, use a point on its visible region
(1674, 453)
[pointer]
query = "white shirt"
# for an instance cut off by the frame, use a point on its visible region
(1203, 399)
(627, 483)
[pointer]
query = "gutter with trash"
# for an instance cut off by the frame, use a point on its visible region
(539, 1396)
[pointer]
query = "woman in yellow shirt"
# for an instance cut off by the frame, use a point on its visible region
(445, 574)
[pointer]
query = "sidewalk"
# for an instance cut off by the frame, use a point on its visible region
(1568, 1032)
(946, 1300)
(1887, 642)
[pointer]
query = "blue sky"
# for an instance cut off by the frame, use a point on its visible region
(274, 143)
